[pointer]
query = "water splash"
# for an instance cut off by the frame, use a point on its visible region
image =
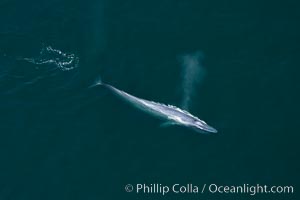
(30, 75)
(192, 74)
(49, 55)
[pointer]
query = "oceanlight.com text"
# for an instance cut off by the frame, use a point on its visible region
(164, 189)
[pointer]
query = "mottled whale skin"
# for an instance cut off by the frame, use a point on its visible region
(172, 115)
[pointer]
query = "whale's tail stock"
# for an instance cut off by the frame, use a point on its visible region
(98, 81)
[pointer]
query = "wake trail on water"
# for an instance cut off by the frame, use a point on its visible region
(49, 55)
(50, 68)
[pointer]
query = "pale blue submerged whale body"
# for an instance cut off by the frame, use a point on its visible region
(172, 115)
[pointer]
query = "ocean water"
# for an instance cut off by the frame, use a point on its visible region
(61, 139)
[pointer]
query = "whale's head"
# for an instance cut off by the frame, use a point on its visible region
(201, 126)
(184, 118)
(195, 124)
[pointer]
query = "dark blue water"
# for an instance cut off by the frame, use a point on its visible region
(60, 139)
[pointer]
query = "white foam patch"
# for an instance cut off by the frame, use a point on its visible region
(49, 55)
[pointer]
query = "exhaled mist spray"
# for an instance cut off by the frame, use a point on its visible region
(192, 75)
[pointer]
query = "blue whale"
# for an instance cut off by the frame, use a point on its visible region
(171, 115)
